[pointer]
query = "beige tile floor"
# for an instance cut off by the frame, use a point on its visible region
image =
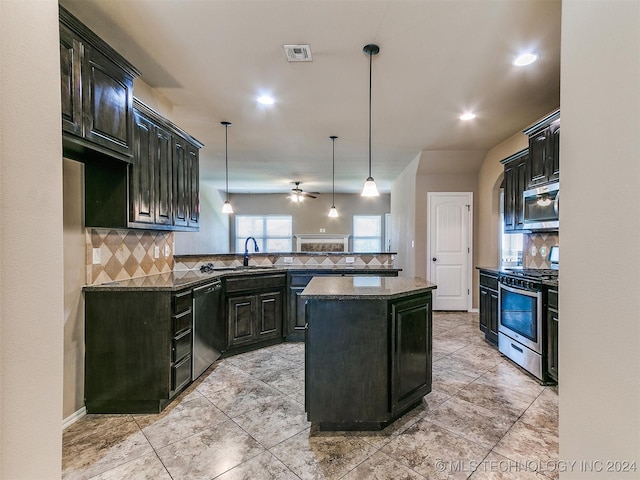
(244, 419)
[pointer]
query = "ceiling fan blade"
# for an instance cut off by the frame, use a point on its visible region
(307, 194)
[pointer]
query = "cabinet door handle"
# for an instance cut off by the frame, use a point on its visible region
(434, 259)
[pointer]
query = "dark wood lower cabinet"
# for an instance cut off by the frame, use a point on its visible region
(138, 349)
(489, 306)
(411, 352)
(367, 361)
(552, 335)
(255, 311)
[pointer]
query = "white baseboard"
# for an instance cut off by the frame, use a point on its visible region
(74, 417)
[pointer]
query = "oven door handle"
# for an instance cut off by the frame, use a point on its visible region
(521, 291)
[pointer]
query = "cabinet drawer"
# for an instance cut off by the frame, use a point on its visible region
(181, 374)
(181, 346)
(182, 302)
(489, 281)
(254, 282)
(553, 299)
(182, 321)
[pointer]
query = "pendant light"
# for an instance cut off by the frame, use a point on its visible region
(333, 213)
(226, 208)
(369, 189)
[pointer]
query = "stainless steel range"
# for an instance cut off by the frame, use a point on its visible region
(521, 313)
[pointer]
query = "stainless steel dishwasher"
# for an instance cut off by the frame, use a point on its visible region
(206, 316)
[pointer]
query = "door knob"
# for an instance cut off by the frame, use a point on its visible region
(434, 259)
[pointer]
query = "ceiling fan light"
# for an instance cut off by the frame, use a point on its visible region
(370, 189)
(227, 208)
(333, 212)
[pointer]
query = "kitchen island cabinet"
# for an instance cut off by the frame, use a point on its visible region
(368, 350)
(297, 280)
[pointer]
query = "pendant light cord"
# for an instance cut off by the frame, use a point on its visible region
(226, 158)
(333, 173)
(370, 84)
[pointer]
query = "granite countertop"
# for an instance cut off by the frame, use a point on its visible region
(353, 288)
(179, 279)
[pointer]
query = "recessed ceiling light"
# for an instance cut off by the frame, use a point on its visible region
(467, 116)
(525, 59)
(265, 100)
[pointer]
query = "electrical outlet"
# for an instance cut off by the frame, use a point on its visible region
(167, 250)
(97, 257)
(288, 259)
(350, 260)
(322, 230)
(156, 252)
(543, 251)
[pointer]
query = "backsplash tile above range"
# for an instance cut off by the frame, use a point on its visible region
(126, 254)
(536, 248)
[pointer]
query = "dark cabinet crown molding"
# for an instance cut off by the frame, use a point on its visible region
(515, 156)
(168, 124)
(542, 123)
(87, 35)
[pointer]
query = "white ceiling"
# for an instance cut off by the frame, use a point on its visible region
(211, 58)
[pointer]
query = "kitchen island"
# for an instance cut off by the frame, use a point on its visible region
(368, 350)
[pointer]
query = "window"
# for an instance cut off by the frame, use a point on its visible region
(511, 244)
(272, 232)
(367, 233)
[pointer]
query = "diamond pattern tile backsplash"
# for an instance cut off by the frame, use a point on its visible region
(127, 254)
(536, 248)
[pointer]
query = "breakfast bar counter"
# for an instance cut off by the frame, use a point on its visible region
(368, 350)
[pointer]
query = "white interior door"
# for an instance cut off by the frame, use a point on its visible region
(449, 249)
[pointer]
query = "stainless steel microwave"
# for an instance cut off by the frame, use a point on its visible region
(542, 207)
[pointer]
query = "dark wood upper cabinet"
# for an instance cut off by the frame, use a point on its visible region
(554, 130)
(96, 94)
(181, 182)
(158, 190)
(151, 172)
(544, 151)
(515, 176)
(70, 81)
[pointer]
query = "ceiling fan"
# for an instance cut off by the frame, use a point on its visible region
(297, 195)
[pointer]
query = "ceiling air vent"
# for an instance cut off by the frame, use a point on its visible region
(298, 53)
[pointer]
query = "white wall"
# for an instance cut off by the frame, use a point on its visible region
(312, 214)
(600, 279)
(31, 253)
(75, 258)
(403, 218)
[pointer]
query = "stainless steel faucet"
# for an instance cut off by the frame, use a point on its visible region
(245, 262)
